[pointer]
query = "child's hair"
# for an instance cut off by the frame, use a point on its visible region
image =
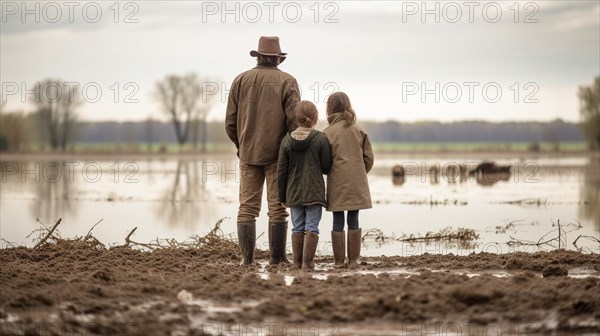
(339, 102)
(306, 114)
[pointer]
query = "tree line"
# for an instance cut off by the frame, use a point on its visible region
(154, 131)
(182, 99)
(55, 121)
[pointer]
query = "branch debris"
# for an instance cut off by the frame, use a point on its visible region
(50, 232)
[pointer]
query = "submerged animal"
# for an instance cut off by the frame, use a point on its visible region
(398, 171)
(490, 173)
(490, 168)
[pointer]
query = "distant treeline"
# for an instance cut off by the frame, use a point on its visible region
(152, 131)
(475, 131)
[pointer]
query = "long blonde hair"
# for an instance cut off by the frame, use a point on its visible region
(339, 102)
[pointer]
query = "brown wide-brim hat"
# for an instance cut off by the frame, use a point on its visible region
(268, 46)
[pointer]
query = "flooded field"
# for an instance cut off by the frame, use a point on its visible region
(175, 197)
(527, 277)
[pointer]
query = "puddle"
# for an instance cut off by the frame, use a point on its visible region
(582, 273)
(211, 307)
(10, 318)
(262, 271)
(409, 329)
(320, 276)
(322, 273)
(398, 271)
(494, 274)
(578, 273)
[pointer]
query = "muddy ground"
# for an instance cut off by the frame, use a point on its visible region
(75, 287)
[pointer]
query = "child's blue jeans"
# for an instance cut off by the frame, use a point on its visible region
(306, 218)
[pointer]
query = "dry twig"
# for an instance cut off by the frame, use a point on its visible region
(89, 234)
(588, 237)
(8, 243)
(48, 235)
(127, 241)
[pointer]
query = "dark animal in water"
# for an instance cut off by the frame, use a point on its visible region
(398, 171)
(490, 168)
(490, 173)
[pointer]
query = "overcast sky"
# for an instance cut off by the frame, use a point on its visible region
(382, 53)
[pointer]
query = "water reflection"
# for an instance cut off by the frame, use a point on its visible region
(54, 198)
(589, 199)
(398, 180)
(179, 203)
(51, 183)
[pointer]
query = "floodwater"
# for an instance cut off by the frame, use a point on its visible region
(178, 197)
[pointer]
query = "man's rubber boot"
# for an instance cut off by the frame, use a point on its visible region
(338, 244)
(246, 232)
(354, 243)
(297, 246)
(311, 241)
(277, 240)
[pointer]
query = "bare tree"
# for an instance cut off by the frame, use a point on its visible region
(208, 99)
(589, 99)
(56, 103)
(13, 131)
(192, 94)
(183, 98)
(171, 93)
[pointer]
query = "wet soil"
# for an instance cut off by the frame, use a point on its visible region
(72, 287)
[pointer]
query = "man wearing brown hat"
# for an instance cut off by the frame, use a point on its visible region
(260, 111)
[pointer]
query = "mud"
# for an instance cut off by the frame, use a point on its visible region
(72, 287)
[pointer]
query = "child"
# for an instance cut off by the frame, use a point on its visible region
(304, 156)
(347, 184)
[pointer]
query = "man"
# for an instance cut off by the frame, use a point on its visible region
(260, 111)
